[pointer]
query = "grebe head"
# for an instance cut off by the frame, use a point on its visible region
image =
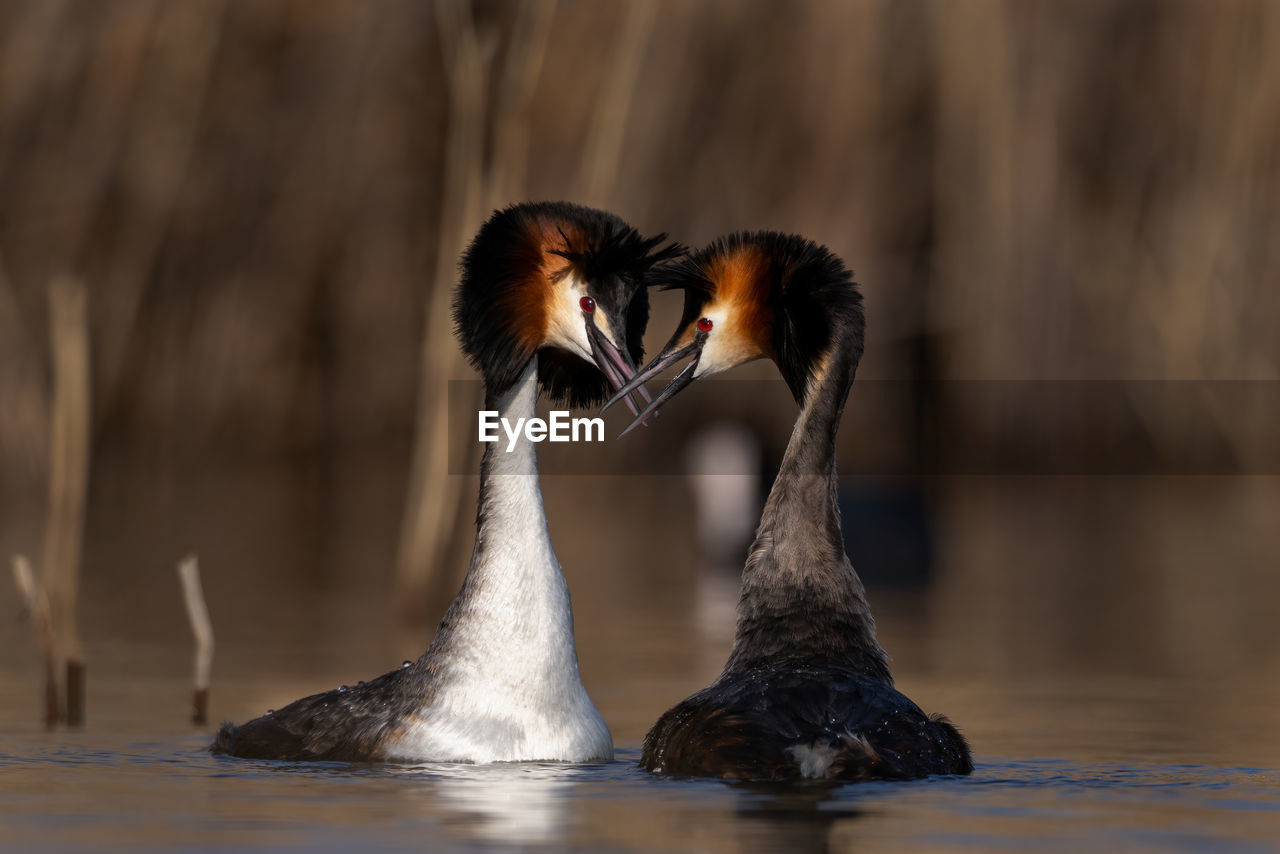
(755, 295)
(563, 282)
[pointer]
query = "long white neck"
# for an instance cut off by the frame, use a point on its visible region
(507, 683)
(513, 544)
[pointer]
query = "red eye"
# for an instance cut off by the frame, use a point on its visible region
(705, 324)
(588, 304)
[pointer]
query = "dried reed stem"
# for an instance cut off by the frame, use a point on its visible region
(470, 190)
(432, 495)
(520, 72)
(36, 603)
(202, 630)
(166, 101)
(604, 147)
(24, 421)
(68, 481)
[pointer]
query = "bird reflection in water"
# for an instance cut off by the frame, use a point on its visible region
(790, 817)
(511, 803)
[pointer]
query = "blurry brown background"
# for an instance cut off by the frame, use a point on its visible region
(265, 201)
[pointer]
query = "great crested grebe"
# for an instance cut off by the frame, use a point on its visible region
(551, 296)
(806, 692)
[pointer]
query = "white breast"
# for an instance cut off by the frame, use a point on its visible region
(509, 688)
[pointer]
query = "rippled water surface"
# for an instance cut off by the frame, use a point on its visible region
(1109, 647)
(129, 792)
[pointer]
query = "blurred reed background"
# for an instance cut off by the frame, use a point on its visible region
(265, 201)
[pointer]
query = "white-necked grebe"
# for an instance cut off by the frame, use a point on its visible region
(551, 297)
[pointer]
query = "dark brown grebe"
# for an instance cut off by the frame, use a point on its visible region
(550, 297)
(806, 692)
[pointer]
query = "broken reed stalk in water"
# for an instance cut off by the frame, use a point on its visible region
(202, 629)
(68, 483)
(36, 604)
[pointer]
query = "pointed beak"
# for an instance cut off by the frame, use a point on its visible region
(615, 364)
(659, 364)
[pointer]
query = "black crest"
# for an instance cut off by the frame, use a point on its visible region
(809, 294)
(506, 281)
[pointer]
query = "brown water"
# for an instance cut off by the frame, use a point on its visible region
(1110, 646)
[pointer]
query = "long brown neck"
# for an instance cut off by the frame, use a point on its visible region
(801, 599)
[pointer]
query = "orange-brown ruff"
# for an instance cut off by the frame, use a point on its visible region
(742, 277)
(806, 692)
(544, 237)
(505, 308)
(550, 300)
